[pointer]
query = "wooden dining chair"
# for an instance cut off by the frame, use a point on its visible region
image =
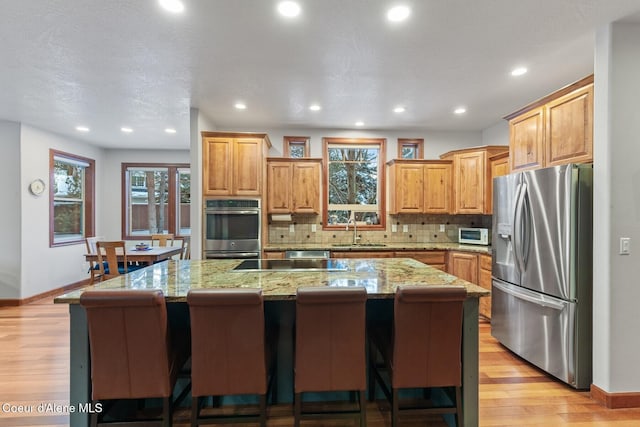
(185, 242)
(162, 239)
(109, 266)
(92, 249)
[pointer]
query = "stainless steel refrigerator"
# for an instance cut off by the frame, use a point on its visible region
(542, 277)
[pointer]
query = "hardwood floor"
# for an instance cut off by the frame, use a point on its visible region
(34, 357)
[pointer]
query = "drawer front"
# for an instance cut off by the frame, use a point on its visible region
(485, 262)
(433, 258)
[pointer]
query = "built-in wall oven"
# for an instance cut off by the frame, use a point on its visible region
(232, 228)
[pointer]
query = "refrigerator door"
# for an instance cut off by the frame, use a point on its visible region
(506, 192)
(539, 328)
(543, 245)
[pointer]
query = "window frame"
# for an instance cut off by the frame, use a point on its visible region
(89, 197)
(288, 141)
(417, 143)
(173, 196)
(382, 214)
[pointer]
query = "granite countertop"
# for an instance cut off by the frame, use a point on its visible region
(336, 247)
(379, 276)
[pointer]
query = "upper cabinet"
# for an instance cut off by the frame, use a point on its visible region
(472, 185)
(499, 166)
(420, 186)
(232, 163)
(555, 130)
(293, 185)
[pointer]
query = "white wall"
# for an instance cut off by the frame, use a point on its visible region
(44, 268)
(111, 225)
(497, 134)
(10, 244)
(616, 208)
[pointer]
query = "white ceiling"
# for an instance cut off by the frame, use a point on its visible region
(108, 64)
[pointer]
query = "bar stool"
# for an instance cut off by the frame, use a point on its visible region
(133, 355)
(330, 347)
(230, 353)
(423, 349)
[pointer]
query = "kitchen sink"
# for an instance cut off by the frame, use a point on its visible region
(359, 245)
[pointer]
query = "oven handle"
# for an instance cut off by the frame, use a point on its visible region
(232, 255)
(208, 211)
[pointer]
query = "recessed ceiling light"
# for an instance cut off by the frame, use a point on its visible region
(290, 9)
(315, 107)
(170, 130)
(359, 123)
(399, 110)
(126, 130)
(240, 106)
(398, 13)
(82, 129)
(460, 110)
(518, 71)
(173, 6)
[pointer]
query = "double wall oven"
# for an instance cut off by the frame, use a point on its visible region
(232, 228)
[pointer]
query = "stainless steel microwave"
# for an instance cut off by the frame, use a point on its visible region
(473, 236)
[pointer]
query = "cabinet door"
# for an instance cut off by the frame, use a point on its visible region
(247, 166)
(437, 188)
(470, 175)
(409, 188)
(273, 255)
(278, 187)
(306, 187)
(217, 165)
(499, 167)
(484, 280)
(569, 128)
(526, 135)
(464, 265)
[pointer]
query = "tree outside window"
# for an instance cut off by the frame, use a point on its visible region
(354, 182)
(157, 199)
(72, 189)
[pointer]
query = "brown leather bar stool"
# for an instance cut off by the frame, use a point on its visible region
(230, 353)
(423, 349)
(133, 355)
(330, 347)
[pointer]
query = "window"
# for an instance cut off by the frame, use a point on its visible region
(157, 199)
(410, 148)
(296, 146)
(354, 186)
(72, 188)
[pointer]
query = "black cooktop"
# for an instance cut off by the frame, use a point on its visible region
(315, 264)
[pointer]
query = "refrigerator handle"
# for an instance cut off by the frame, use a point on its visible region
(517, 227)
(529, 298)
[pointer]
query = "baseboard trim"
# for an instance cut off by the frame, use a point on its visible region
(14, 302)
(615, 400)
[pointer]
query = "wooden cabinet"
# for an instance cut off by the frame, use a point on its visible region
(554, 130)
(420, 186)
(472, 178)
(293, 185)
(484, 280)
(437, 259)
(232, 164)
(499, 166)
(463, 265)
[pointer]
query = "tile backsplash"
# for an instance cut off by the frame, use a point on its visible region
(420, 228)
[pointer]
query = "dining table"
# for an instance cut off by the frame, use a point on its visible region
(149, 255)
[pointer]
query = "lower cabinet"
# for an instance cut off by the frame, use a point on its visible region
(362, 254)
(273, 255)
(463, 265)
(484, 281)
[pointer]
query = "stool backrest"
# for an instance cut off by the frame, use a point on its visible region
(427, 336)
(128, 337)
(330, 339)
(227, 342)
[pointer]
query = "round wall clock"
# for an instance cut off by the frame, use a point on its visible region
(37, 187)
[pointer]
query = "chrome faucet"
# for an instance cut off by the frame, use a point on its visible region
(355, 230)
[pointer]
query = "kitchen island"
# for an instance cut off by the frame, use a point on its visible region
(175, 278)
